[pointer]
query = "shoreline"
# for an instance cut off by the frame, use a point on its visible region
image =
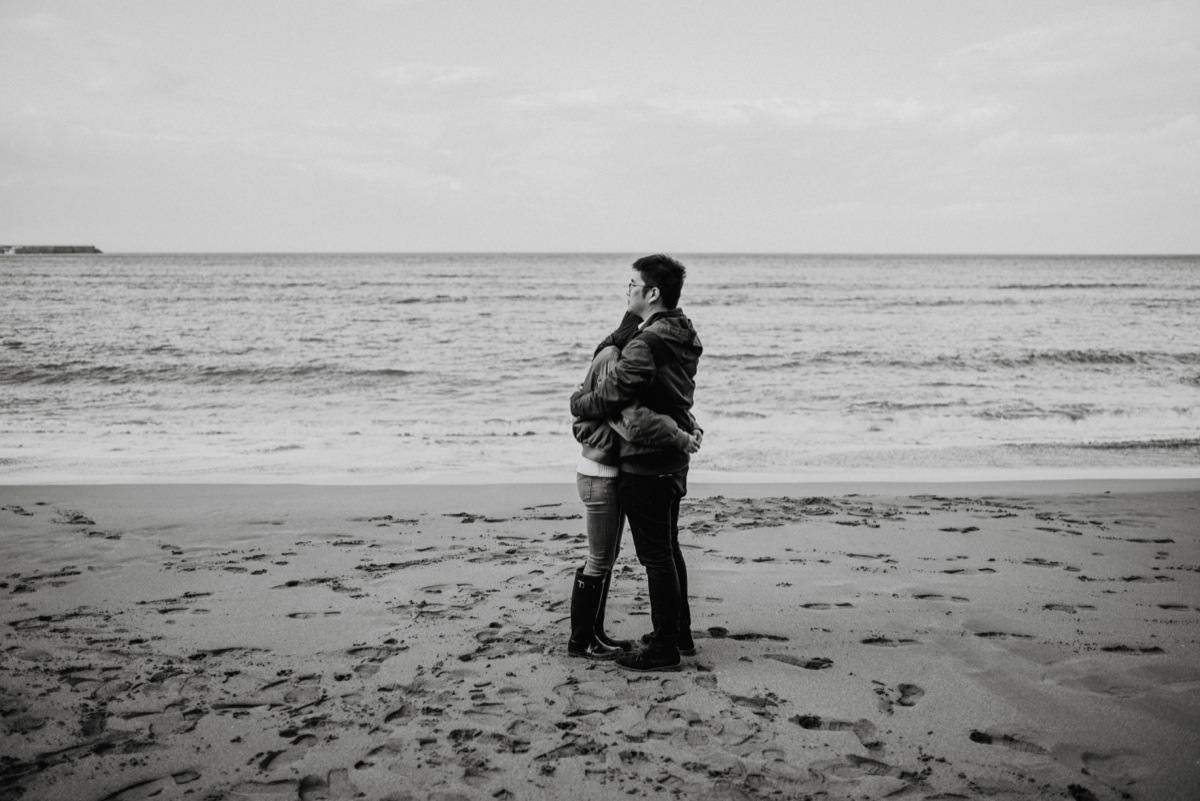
(247, 641)
(566, 475)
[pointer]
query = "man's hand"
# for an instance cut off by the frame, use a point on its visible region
(694, 442)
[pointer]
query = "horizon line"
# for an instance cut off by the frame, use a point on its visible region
(990, 254)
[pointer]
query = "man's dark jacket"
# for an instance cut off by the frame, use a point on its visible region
(658, 369)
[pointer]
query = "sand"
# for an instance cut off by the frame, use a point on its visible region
(290, 642)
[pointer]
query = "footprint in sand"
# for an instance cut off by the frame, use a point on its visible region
(153, 787)
(909, 694)
(332, 582)
(814, 663)
(906, 695)
(1006, 740)
(933, 596)
(1132, 649)
(295, 751)
(1039, 562)
(1068, 608)
(386, 520)
(303, 690)
(758, 704)
(720, 632)
(860, 767)
(588, 697)
(863, 729)
(400, 713)
(372, 656)
(335, 786)
(72, 518)
(888, 642)
(532, 594)
(497, 642)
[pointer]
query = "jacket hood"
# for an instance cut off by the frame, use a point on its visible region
(677, 332)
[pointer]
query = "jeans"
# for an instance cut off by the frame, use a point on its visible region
(603, 521)
(651, 503)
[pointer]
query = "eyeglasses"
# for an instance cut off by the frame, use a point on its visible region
(633, 285)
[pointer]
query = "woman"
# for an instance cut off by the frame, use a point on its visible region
(596, 480)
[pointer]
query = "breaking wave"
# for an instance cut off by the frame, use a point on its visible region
(84, 372)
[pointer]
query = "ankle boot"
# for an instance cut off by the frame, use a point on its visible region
(585, 600)
(687, 646)
(601, 636)
(654, 657)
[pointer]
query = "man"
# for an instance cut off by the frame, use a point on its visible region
(657, 368)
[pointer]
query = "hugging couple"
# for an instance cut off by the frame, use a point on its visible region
(633, 418)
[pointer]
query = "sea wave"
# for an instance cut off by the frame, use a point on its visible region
(1183, 443)
(1100, 357)
(84, 372)
(1098, 285)
(408, 301)
(1023, 410)
(917, 303)
(897, 406)
(956, 361)
(737, 414)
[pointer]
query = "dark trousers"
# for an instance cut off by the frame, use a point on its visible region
(651, 505)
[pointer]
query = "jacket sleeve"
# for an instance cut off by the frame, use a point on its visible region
(645, 427)
(594, 434)
(624, 332)
(633, 371)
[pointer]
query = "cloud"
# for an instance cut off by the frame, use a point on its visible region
(570, 99)
(881, 114)
(743, 111)
(39, 23)
(1119, 40)
(720, 113)
(433, 75)
(973, 117)
(1174, 143)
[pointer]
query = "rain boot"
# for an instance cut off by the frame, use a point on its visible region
(585, 602)
(624, 645)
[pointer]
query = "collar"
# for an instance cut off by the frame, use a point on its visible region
(658, 316)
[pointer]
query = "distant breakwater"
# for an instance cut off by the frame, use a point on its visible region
(19, 250)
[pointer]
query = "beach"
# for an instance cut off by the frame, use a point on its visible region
(952, 640)
(288, 502)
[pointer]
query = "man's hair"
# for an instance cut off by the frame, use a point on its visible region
(662, 271)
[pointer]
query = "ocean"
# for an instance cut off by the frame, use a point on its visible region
(373, 368)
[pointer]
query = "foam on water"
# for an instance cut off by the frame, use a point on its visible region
(378, 368)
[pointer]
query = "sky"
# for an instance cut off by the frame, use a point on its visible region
(962, 126)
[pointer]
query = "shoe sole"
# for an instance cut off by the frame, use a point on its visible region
(593, 657)
(682, 651)
(663, 669)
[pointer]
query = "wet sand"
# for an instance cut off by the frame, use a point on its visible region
(288, 642)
